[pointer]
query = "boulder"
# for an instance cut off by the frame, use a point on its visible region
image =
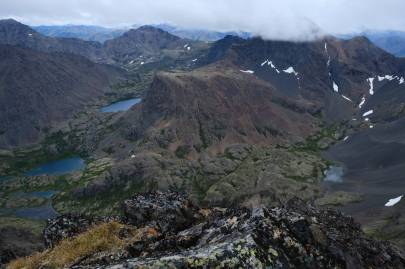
(169, 212)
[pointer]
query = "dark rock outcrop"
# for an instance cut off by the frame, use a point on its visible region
(292, 236)
(170, 212)
(70, 225)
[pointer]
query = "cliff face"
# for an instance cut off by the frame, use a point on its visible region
(213, 107)
(39, 89)
(167, 230)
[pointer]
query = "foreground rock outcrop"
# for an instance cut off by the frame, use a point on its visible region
(165, 230)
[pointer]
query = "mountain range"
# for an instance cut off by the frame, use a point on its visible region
(391, 41)
(236, 122)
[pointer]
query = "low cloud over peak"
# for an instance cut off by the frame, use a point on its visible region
(271, 19)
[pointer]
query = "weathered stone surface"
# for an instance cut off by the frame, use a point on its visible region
(169, 212)
(69, 225)
(296, 235)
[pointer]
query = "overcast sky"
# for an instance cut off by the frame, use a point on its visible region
(274, 19)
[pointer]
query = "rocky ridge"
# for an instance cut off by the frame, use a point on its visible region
(177, 234)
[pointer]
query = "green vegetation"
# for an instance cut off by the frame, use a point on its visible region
(35, 226)
(320, 141)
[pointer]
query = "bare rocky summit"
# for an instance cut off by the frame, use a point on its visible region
(178, 234)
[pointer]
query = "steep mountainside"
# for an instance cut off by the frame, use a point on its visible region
(15, 33)
(333, 73)
(133, 48)
(143, 42)
(391, 41)
(264, 92)
(213, 107)
(38, 89)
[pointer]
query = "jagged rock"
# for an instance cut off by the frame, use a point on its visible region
(69, 225)
(296, 235)
(65, 226)
(169, 212)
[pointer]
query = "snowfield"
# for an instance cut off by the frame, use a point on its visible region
(335, 87)
(365, 114)
(371, 83)
(290, 70)
(393, 201)
(248, 71)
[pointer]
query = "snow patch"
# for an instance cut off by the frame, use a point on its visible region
(29, 34)
(365, 114)
(363, 100)
(327, 53)
(335, 87)
(401, 80)
(393, 201)
(387, 77)
(142, 63)
(371, 126)
(195, 60)
(290, 70)
(273, 66)
(185, 46)
(371, 83)
(347, 98)
(248, 71)
(270, 63)
(132, 156)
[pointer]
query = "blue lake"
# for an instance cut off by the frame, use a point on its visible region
(121, 106)
(59, 167)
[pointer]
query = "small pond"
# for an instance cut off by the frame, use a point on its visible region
(121, 106)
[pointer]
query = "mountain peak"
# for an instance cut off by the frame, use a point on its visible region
(11, 24)
(150, 30)
(9, 21)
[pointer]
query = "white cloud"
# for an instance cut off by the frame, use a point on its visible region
(281, 19)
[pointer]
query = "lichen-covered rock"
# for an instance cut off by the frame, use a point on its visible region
(296, 235)
(168, 211)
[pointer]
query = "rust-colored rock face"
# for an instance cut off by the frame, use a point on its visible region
(213, 107)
